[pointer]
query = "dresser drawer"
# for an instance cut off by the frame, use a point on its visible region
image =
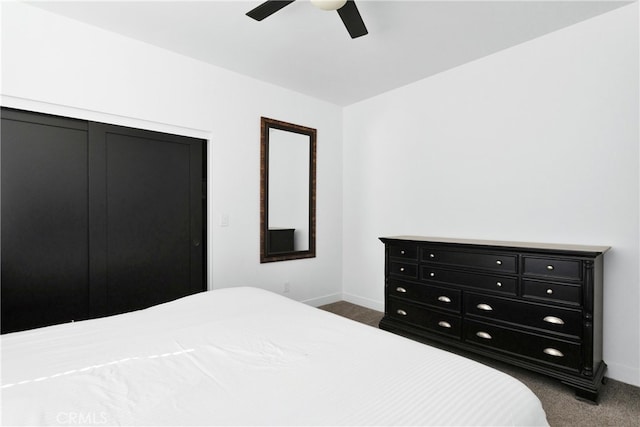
(553, 267)
(533, 346)
(404, 251)
(403, 269)
(571, 294)
(555, 319)
(503, 284)
(447, 324)
(448, 299)
(486, 261)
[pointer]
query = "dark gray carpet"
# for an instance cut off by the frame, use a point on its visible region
(619, 402)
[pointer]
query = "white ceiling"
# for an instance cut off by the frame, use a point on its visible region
(309, 50)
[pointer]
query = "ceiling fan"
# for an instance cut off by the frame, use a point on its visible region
(346, 9)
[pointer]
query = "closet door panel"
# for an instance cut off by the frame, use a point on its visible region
(44, 220)
(149, 218)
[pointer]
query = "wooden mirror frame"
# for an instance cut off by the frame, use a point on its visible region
(265, 125)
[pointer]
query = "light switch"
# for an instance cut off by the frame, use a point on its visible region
(224, 220)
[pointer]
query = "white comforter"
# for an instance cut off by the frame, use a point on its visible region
(245, 356)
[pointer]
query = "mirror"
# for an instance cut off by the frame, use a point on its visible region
(287, 191)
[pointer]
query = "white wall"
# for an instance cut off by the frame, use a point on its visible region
(59, 66)
(535, 143)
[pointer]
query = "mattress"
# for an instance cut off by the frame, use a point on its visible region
(246, 356)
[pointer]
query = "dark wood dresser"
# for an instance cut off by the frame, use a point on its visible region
(534, 305)
(280, 240)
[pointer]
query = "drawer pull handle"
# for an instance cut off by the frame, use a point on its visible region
(549, 267)
(444, 324)
(401, 252)
(553, 352)
(401, 290)
(401, 268)
(443, 298)
(484, 335)
(499, 262)
(485, 307)
(549, 291)
(432, 274)
(499, 284)
(554, 320)
(401, 312)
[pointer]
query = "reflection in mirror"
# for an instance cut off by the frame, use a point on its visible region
(287, 191)
(289, 186)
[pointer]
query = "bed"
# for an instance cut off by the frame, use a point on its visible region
(246, 356)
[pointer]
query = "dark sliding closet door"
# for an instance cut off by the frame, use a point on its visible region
(149, 238)
(96, 219)
(44, 221)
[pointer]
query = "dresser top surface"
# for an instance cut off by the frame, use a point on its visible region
(504, 244)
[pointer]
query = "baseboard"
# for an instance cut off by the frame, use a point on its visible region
(324, 300)
(364, 302)
(622, 373)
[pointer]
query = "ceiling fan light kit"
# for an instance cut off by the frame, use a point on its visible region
(347, 10)
(328, 4)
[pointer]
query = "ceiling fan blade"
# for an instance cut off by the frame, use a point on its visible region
(352, 19)
(268, 8)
